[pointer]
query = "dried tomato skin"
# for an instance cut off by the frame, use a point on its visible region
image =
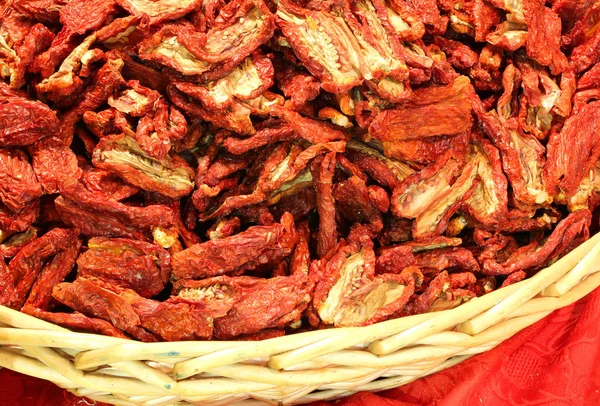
(433, 111)
(7, 91)
(27, 264)
(237, 304)
(354, 203)
(460, 55)
(13, 244)
(421, 152)
(105, 82)
(277, 303)
(351, 169)
(105, 122)
(298, 86)
(311, 130)
(18, 185)
(80, 16)
(110, 218)
(262, 137)
(429, 13)
(91, 297)
(395, 230)
(383, 168)
(46, 11)
(573, 151)
(63, 43)
(589, 79)
(76, 321)
(211, 171)
(224, 228)
(513, 278)
(281, 170)
(574, 228)
(107, 183)
(24, 122)
(244, 251)
(137, 265)
(7, 283)
(53, 273)
(158, 13)
(262, 335)
(93, 223)
(394, 259)
(299, 203)
(586, 54)
(424, 302)
(168, 321)
(322, 170)
(37, 41)
(54, 164)
(543, 41)
(21, 221)
(446, 258)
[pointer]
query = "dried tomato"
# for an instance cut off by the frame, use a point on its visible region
(535, 256)
(170, 176)
(24, 122)
(54, 164)
(322, 171)
(261, 245)
(137, 265)
(434, 111)
(340, 162)
(94, 215)
(18, 183)
(80, 16)
(46, 11)
(54, 272)
(574, 151)
(27, 265)
(543, 40)
(92, 298)
(275, 304)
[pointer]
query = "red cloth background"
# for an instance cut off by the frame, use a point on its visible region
(553, 362)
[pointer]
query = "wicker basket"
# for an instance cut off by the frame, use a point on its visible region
(292, 369)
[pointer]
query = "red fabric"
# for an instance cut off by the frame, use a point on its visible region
(550, 363)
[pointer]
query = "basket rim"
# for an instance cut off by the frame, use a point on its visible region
(496, 297)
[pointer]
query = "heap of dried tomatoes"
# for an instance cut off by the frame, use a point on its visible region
(220, 169)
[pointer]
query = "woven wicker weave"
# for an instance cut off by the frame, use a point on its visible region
(292, 369)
